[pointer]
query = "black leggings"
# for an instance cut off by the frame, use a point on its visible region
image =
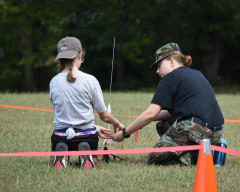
(72, 144)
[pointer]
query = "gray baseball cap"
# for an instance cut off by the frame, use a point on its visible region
(68, 48)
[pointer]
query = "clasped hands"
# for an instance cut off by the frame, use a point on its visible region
(107, 133)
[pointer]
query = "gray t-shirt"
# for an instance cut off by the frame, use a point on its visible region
(73, 103)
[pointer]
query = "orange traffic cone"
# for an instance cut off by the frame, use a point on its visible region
(205, 180)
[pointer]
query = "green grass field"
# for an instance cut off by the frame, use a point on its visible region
(29, 131)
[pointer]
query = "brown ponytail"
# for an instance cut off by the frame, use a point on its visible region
(69, 63)
(70, 77)
(188, 61)
(184, 59)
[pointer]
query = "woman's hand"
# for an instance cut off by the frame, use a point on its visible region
(117, 136)
(119, 125)
(103, 132)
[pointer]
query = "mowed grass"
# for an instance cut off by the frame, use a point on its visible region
(29, 131)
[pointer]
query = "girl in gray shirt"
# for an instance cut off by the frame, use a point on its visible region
(74, 96)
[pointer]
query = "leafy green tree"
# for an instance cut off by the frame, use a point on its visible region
(201, 28)
(29, 31)
(206, 30)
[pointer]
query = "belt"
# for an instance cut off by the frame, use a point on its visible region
(78, 132)
(204, 124)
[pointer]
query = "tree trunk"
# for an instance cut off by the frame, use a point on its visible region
(1, 52)
(211, 63)
(29, 80)
(120, 72)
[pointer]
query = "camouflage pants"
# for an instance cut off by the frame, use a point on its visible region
(181, 133)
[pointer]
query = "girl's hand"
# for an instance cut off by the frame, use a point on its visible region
(104, 132)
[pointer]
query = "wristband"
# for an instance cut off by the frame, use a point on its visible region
(125, 134)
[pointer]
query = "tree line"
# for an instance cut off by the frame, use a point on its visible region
(209, 31)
